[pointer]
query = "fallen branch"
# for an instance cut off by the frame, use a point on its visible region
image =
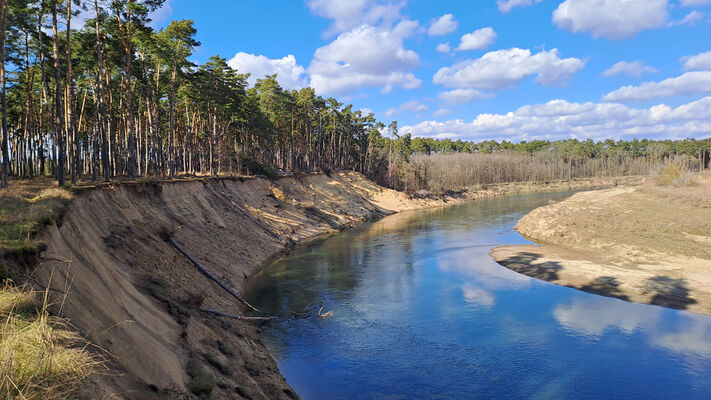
(209, 275)
(234, 316)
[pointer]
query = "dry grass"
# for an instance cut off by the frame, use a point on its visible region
(24, 207)
(39, 357)
(442, 172)
(695, 194)
(634, 224)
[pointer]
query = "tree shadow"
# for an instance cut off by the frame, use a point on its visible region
(605, 286)
(526, 263)
(669, 292)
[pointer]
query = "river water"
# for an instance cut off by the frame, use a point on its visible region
(420, 311)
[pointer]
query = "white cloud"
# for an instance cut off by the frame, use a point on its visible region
(365, 57)
(560, 119)
(441, 112)
(695, 3)
(413, 106)
(506, 5)
(158, 17)
(461, 96)
(689, 19)
(505, 68)
(697, 82)
(596, 316)
(479, 39)
(444, 48)
(443, 25)
(612, 19)
(629, 68)
(366, 111)
(692, 18)
(289, 74)
(478, 296)
(693, 338)
(697, 62)
(348, 14)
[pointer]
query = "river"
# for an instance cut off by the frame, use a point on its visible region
(420, 311)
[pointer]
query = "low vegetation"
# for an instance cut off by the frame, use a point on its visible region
(26, 206)
(40, 358)
(492, 162)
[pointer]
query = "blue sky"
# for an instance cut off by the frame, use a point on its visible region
(480, 69)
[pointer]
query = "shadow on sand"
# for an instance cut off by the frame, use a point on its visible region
(669, 292)
(605, 286)
(664, 291)
(526, 263)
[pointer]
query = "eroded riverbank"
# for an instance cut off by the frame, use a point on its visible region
(130, 293)
(646, 244)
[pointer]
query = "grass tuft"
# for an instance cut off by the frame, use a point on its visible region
(40, 358)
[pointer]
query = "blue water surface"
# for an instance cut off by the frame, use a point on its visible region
(420, 311)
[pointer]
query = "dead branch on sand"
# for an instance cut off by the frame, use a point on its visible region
(207, 273)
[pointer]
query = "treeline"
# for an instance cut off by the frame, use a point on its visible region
(113, 97)
(437, 165)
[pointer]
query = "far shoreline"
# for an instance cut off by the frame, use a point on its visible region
(642, 244)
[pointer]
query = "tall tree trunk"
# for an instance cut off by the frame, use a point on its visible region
(72, 130)
(213, 142)
(58, 114)
(102, 102)
(171, 119)
(44, 102)
(3, 99)
(29, 78)
(128, 49)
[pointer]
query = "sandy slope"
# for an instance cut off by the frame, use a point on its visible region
(645, 244)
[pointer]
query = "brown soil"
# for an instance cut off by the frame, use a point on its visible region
(646, 244)
(134, 296)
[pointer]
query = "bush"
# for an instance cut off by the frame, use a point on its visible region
(257, 168)
(667, 174)
(672, 173)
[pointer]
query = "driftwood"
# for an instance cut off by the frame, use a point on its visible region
(234, 316)
(327, 314)
(209, 275)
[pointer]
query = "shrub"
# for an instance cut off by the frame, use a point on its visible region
(667, 173)
(673, 174)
